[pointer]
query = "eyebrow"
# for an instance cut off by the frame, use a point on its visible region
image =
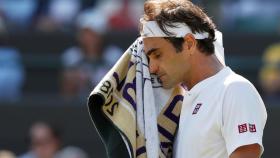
(149, 52)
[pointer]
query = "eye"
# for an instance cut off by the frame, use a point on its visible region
(157, 55)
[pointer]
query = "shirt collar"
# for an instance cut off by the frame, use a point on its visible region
(208, 81)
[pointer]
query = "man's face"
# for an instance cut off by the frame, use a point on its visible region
(170, 66)
(44, 144)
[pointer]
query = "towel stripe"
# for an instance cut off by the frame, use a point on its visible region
(168, 113)
(127, 96)
(140, 151)
(165, 133)
(165, 144)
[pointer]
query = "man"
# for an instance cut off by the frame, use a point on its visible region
(222, 113)
(45, 141)
(86, 63)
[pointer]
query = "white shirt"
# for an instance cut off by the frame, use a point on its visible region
(219, 114)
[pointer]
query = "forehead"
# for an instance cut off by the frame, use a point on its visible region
(155, 42)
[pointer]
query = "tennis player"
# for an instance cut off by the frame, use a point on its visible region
(222, 115)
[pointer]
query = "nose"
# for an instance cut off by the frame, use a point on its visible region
(153, 67)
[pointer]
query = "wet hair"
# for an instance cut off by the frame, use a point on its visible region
(168, 12)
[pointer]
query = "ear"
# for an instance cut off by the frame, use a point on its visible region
(190, 43)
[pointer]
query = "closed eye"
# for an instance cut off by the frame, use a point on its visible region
(157, 55)
(153, 53)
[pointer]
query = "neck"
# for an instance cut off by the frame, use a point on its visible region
(202, 67)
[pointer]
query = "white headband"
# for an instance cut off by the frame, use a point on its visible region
(151, 29)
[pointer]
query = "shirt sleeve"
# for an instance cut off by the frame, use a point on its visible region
(244, 116)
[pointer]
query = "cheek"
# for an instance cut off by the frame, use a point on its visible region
(177, 69)
(169, 69)
(173, 63)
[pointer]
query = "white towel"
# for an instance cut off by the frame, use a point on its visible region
(135, 104)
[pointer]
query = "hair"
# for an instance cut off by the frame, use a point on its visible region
(167, 12)
(54, 130)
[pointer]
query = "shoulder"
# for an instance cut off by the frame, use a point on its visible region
(111, 54)
(27, 155)
(241, 95)
(71, 56)
(72, 51)
(238, 85)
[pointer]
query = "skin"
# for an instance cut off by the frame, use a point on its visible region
(247, 151)
(44, 144)
(90, 42)
(190, 66)
(164, 62)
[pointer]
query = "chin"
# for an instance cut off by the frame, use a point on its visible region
(167, 86)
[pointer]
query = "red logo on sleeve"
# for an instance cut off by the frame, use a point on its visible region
(242, 128)
(252, 128)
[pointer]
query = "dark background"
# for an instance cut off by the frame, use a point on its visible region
(249, 28)
(78, 129)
